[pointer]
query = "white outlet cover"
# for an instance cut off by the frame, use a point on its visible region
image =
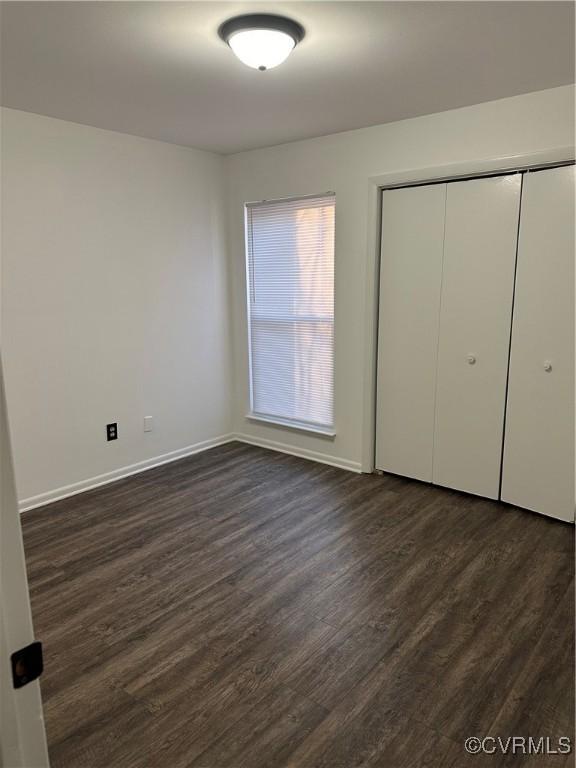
(147, 423)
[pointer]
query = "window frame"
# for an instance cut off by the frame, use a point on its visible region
(253, 415)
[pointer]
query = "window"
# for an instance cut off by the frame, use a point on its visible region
(290, 255)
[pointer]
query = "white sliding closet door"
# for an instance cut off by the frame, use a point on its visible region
(410, 280)
(538, 470)
(474, 335)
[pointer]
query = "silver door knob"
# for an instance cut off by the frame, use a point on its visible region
(471, 359)
(547, 366)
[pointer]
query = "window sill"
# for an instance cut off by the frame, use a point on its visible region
(298, 426)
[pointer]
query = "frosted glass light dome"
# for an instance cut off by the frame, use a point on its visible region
(261, 48)
(261, 41)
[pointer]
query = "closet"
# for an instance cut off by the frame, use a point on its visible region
(538, 466)
(476, 337)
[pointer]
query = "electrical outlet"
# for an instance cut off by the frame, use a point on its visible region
(112, 431)
(148, 424)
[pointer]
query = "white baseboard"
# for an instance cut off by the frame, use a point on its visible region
(117, 474)
(303, 453)
(133, 469)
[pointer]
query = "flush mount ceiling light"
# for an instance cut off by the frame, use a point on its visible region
(261, 40)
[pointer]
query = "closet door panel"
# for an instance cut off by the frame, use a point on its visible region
(474, 335)
(410, 279)
(538, 471)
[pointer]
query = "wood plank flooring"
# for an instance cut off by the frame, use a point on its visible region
(247, 609)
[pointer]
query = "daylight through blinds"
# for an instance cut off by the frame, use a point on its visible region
(290, 248)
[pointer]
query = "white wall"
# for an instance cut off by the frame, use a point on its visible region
(114, 298)
(344, 163)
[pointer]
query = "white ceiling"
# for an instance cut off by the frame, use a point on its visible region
(158, 69)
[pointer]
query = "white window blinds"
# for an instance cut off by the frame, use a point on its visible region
(290, 254)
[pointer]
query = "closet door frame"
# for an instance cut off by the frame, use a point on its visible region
(497, 166)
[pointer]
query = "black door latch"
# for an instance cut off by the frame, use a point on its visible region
(27, 664)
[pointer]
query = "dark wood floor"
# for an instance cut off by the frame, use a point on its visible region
(247, 609)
